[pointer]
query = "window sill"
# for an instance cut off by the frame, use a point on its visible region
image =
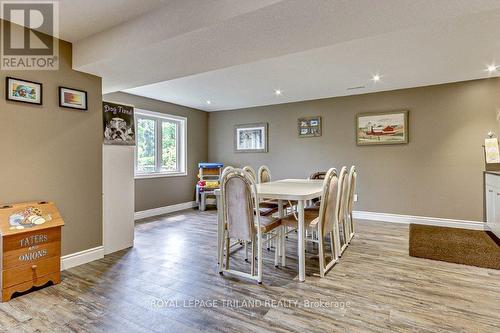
(160, 175)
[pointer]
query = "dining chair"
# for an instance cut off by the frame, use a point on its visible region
(353, 175)
(264, 176)
(251, 171)
(239, 199)
(266, 207)
(318, 175)
(341, 217)
(323, 222)
(262, 212)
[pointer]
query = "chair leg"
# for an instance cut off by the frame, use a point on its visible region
(253, 256)
(246, 250)
(283, 245)
(259, 258)
(352, 225)
(222, 245)
(277, 248)
(228, 244)
(321, 254)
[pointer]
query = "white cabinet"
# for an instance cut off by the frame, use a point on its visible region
(492, 196)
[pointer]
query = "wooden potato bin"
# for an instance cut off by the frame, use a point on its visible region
(31, 246)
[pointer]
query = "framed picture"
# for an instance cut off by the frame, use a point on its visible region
(72, 98)
(382, 128)
(23, 91)
(250, 138)
(119, 128)
(309, 127)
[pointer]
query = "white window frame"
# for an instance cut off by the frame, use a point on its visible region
(181, 144)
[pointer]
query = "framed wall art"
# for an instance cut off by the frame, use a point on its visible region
(309, 127)
(119, 128)
(250, 138)
(23, 91)
(72, 98)
(382, 128)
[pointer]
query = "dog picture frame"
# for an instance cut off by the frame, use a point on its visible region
(119, 124)
(24, 91)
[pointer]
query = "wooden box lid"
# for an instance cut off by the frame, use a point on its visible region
(28, 216)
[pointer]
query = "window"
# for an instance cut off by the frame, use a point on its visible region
(161, 145)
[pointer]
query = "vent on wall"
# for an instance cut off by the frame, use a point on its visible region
(358, 87)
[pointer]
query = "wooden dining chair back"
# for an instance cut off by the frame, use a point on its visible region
(266, 207)
(239, 200)
(318, 175)
(322, 221)
(327, 220)
(226, 169)
(251, 172)
(263, 174)
(341, 209)
(238, 205)
(353, 175)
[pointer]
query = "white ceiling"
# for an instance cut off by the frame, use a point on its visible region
(82, 18)
(236, 52)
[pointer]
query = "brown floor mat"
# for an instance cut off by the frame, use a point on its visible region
(461, 246)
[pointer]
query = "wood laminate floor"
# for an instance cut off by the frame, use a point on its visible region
(168, 283)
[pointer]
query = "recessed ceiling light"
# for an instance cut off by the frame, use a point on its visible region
(277, 92)
(376, 78)
(209, 102)
(492, 68)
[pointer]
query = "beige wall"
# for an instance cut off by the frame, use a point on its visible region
(53, 153)
(438, 174)
(165, 191)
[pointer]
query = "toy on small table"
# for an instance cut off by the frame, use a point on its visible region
(209, 180)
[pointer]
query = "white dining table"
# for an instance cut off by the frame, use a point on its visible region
(300, 190)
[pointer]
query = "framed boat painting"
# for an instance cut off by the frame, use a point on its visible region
(382, 128)
(250, 138)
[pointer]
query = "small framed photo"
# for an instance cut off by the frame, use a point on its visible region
(250, 138)
(72, 98)
(23, 91)
(309, 127)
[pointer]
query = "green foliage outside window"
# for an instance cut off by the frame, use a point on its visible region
(169, 149)
(146, 147)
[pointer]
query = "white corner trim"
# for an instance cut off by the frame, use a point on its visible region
(164, 210)
(82, 257)
(407, 219)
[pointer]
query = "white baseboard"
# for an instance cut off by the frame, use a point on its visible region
(82, 257)
(164, 210)
(407, 219)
